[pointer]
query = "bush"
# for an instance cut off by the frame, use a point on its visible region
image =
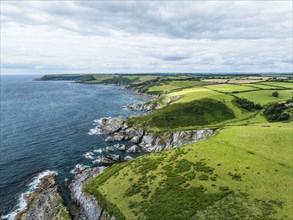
(246, 104)
(275, 94)
(275, 112)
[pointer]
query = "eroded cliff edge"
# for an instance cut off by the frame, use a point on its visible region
(45, 202)
(89, 207)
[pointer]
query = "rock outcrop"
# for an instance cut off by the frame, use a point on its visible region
(45, 202)
(142, 106)
(150, 142)
(133, 149)
(110, 125)
(172, 99)
(89, 206)
(151, 106)
(168, 140)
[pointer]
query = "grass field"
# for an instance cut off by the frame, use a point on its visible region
(265, 96)
(176, 85)
(260, 86)
(279, 84)
(249, 160)
(230, 88)
(243, 171)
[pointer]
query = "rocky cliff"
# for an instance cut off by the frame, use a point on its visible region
(89, 206)
(45, 202)
(148, 141)
(153, 105)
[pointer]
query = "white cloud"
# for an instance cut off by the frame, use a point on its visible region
(91, 36)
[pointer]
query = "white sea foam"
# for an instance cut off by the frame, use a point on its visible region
(97, 121)
(96, 161)
(98, 151)
(89, 155)
(78, 167)
(94, 131)
(22, 203)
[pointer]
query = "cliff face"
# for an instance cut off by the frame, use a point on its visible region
(45, 203)
(89, 206)
(147, 141)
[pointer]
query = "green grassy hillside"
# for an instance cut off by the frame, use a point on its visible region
(181, 115)
(243, 172)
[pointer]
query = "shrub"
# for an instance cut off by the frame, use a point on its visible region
(246, 104)
(203, 177)
(275, 112)
(275, 94)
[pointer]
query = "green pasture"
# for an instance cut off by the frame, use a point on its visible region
(243, 172)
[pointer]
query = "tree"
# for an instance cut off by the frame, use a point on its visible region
(275, 94)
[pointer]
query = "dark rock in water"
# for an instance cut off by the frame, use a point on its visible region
(114, 157)
(105, 160)
(111, 125)
(117, 145)
(111, 149)
(79, 168)
(90, 208)
(128, 158)
(122, 147)
(66, 182)
(118, 137)
(109, 139)
(133, 149)
(45, 203)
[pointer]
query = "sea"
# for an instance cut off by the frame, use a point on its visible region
(49, 126)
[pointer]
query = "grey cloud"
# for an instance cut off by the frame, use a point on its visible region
(141, 36)
(178, 19)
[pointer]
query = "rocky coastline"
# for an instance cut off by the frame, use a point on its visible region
(89, 207)
(45, 202)
(147, 141)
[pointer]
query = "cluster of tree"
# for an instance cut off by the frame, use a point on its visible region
(119, 80)
(276, 112)
(246, 104)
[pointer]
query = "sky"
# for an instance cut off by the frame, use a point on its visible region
(46, 37)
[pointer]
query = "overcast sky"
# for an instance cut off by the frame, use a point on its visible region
(41, 37)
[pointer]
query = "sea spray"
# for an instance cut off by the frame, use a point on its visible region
(22, 202)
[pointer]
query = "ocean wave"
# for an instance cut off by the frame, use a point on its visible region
(78, 168)
(22, 203)
(96, 161)
(89, 155)
(94, 131)
(97, 121)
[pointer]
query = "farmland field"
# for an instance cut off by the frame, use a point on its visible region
(243, 158)
(265, 96)
(243, 171)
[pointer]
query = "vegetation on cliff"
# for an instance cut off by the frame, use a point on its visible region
(244, 171)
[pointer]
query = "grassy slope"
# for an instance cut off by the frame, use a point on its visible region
(279, 84)
(252, 152)
(180, 116)
(259, 155)
(265, 96)
(176, 85)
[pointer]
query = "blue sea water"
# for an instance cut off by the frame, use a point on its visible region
(45, 125)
